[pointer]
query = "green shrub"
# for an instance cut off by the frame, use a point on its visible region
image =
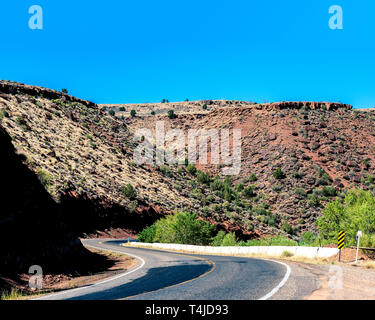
(129, 191)
(147, 234)
(171, 114)
(309, 239)
(122, 109)
(183, 228)
(324, 175)
(249, 192)
(355, 212)
(204, 107)
(133, 113)
(191, 169)
(329, 191)
(64, 91)
(301, 192)
(314, 201)
(287, 254)
(217, 184)
(112, 113)
(218, 239)
(253, 177)
(229, 240)
(203, 177)
(286, 227)
(278, 174)
(152, 112)
(272, 241)
(3, 114)
(44, 177)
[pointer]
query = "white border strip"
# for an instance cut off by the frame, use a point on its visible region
(281, 284)
(101, 282)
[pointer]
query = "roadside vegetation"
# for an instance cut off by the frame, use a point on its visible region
(187, 228)
(356, 211)
(180, 228)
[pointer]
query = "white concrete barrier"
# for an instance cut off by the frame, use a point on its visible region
(272, 251)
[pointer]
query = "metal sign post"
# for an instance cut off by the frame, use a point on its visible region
(340, 242)
(359, 235)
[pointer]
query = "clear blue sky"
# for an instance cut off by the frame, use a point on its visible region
(142, 51)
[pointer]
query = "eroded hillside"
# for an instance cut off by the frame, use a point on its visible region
(322, 150)
(83, 154)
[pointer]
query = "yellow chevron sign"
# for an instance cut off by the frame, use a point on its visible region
(341, 240)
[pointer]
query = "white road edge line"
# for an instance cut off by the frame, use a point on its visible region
(281, 284)
(101, 282)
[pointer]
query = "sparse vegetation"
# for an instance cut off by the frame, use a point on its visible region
(44, 177)
(286, 227)
(171, 114)
(129, 191)
(191, 169)
(3, 114)
(286, 254)
(278, 174)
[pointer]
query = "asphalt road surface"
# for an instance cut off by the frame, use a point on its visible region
(160, 275)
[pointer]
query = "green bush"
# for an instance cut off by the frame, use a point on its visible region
(112, 112)
(204, 107)
(171, 114)
(183, 228)
(329, 191)
(218, 239)
(224, 239)
(3, 114)
(203, 177)
(229, 240)
(278, 174)
(152, 112)
(286, 227)
(253, 177)
(147, 234)
(122, 109)
(301, 192)
(191, 169)
(314, 201)
(308, 238)
(44, 177)
(249, 192)
(272, 241)
(133, 113)
(129, 191)
(355, 212)
(287, 254)
(217, 184)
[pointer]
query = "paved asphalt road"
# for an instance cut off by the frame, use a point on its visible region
(160, 275)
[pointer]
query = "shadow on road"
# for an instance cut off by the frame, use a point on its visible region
(154, 279)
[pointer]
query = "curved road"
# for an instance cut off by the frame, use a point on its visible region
(160, 275)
